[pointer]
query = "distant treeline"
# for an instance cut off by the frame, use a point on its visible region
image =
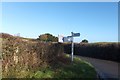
(105, 51)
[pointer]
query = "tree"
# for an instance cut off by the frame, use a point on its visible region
(48, 38)
(85, 41)
(42, 38)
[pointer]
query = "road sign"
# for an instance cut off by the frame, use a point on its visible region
(72, 46)
(67, 39)
(69, 36)
(70, 39)
(75, 34)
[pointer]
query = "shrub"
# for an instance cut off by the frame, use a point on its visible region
(84, 41)
(19, 55)
(106, 51)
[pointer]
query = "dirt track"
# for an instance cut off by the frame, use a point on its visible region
(106, 69)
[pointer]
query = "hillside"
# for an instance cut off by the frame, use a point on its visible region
(29, 58)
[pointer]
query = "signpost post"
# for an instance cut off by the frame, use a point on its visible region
(71, 39)
(72, 47)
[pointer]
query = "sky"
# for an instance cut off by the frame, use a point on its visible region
(95, 21)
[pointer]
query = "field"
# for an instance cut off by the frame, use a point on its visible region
(29, 58)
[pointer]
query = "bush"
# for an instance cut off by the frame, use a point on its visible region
(20, 55)
(84, 41)
(106, 51)
(48, 38)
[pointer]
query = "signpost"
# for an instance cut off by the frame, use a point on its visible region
(70, 39)
(75, 34)
(67, 39)
(72, 50)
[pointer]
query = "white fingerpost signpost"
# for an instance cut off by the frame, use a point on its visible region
(71, 39)
(72, 50)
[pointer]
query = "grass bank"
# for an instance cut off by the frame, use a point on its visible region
(76, 69)
(61, 70)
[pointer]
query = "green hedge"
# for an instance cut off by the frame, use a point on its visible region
(105, 51)
(19, 55)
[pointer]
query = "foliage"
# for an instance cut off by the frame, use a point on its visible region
(20, 55)
(35, 59)
(85, 41)
(48, 38)
(77, 69)
(105, 51)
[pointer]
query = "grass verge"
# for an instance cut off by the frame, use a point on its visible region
(76, 69)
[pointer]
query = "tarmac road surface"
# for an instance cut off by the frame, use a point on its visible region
(106, 69)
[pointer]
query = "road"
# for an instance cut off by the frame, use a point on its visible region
(105, 69)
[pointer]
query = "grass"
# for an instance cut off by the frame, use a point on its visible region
(76, 69)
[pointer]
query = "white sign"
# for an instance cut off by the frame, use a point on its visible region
(67, 39)
(60, 37)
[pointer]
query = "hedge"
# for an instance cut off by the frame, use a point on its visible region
(20, 55)
(105, 51)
